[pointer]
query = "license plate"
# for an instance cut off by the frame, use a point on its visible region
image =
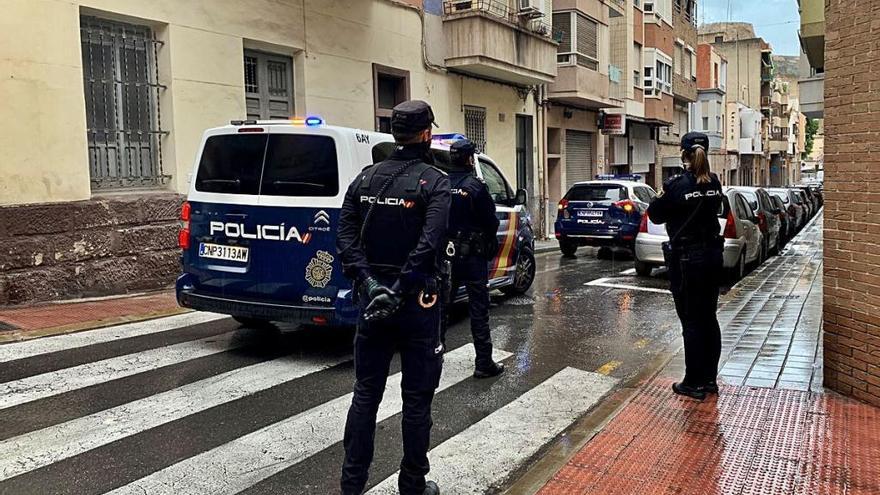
(220, 252)
(591, 213)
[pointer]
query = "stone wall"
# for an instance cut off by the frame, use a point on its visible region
(852, 200)
(88, 248)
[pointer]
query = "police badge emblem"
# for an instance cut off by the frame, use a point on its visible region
(320, 269)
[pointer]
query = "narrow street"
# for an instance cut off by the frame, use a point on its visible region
(194, 403)
(197, 401)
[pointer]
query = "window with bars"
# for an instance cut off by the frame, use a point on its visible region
(123, 121)
(268, 85)
(579, 39)
(475, 126)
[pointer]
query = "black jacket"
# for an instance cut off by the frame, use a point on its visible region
(689, 210)
(473, 210)
(406, 227)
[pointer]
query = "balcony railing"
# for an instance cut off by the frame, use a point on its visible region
(527, 19)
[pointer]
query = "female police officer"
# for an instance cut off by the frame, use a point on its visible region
(689, 206)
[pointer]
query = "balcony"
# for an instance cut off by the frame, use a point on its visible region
(487, 38)
(812, 31)
(812, 96)
(583, 87)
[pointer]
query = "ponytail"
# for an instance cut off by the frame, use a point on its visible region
(698, 163)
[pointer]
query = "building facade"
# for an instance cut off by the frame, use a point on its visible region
(119, 93)
(709, 113)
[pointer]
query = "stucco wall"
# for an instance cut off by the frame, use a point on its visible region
(333, 43)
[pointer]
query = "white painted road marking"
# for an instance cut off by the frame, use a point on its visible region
(245, 461)
(65, 380)
(43, 447)
(605, 282)
(46, 345)
(484, 455)
(631, 271)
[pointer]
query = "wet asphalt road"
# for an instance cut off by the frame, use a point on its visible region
(115, 423)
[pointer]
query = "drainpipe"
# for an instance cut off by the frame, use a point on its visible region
(541, 121)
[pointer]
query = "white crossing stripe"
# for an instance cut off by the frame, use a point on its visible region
(65, 380)
(606, 282)
(241, 463)
(46, 345)
(43, 447)
(484, 455)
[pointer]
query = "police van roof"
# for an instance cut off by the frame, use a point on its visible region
(615, 182)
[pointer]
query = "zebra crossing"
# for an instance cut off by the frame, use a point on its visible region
(225, 410)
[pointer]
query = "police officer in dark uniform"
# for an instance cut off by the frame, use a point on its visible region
(689, 206)
(472, 231)
(391, 231)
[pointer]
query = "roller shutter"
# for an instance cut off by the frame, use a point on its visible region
(579, 165)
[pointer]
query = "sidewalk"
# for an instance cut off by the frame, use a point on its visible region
(772, 429)
(69, 316)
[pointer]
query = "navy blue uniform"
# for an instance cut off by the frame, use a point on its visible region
(473, 226)
(399, 247)
(695, 260)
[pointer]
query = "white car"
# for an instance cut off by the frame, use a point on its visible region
(742, 238)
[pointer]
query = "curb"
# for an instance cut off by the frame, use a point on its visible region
(22, 335)
(546, 248)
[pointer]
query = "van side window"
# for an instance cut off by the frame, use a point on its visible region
(300, 165)
(495, 182)
(232, 164)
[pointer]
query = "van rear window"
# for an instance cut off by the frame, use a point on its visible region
(289, 164)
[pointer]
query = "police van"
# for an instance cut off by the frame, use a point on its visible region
(258, 235)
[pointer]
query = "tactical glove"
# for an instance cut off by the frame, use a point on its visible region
(383, 305)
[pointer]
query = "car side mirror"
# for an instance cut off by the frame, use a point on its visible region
(521, 197)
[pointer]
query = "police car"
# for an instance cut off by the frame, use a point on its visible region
(602, 212)
(259, 225)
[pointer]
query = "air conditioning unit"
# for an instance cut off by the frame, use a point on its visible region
(531, 9)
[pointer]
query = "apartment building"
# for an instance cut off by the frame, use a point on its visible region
(750, 73)
(586, 82)
(709, 113)
(684, 87)
(118, 92)
(812, 67)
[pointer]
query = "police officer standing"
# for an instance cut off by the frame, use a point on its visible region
(689, 206)
(391, 229)
(472, 230)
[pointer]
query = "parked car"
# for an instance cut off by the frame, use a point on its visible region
(796, 211)
(801, 199)
(742, 238)
(258, 234)
(768, 220)
(604, 213)
(785, 221)
(812, 196)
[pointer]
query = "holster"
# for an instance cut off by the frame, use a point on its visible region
(470, 244)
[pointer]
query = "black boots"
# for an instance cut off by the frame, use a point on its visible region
(494, 369)
(691, 391)
(431, 488)
(710, 388)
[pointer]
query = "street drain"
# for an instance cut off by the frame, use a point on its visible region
(7, 326)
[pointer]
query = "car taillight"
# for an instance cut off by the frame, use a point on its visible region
(626, 205)
(762, 222)
(643, 225)
(730, 228)
(183, 235)
(563, 208)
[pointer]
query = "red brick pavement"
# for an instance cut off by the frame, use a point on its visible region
(44, 319)
(747, 441)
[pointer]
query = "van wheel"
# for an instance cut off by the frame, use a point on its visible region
(568, 248)
(643, 269)
(524, 276)
(252, 322)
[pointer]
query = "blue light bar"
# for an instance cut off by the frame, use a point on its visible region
(314, 121)
(449, 137)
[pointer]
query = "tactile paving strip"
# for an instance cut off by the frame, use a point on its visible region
(746, 441)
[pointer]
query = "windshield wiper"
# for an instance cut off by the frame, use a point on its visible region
(296, 183)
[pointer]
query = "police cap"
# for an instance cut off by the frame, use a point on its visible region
(692, 139)
(412, 116)
(461, 150)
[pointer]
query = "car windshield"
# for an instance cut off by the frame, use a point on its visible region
(751, 197)
(597, 192)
